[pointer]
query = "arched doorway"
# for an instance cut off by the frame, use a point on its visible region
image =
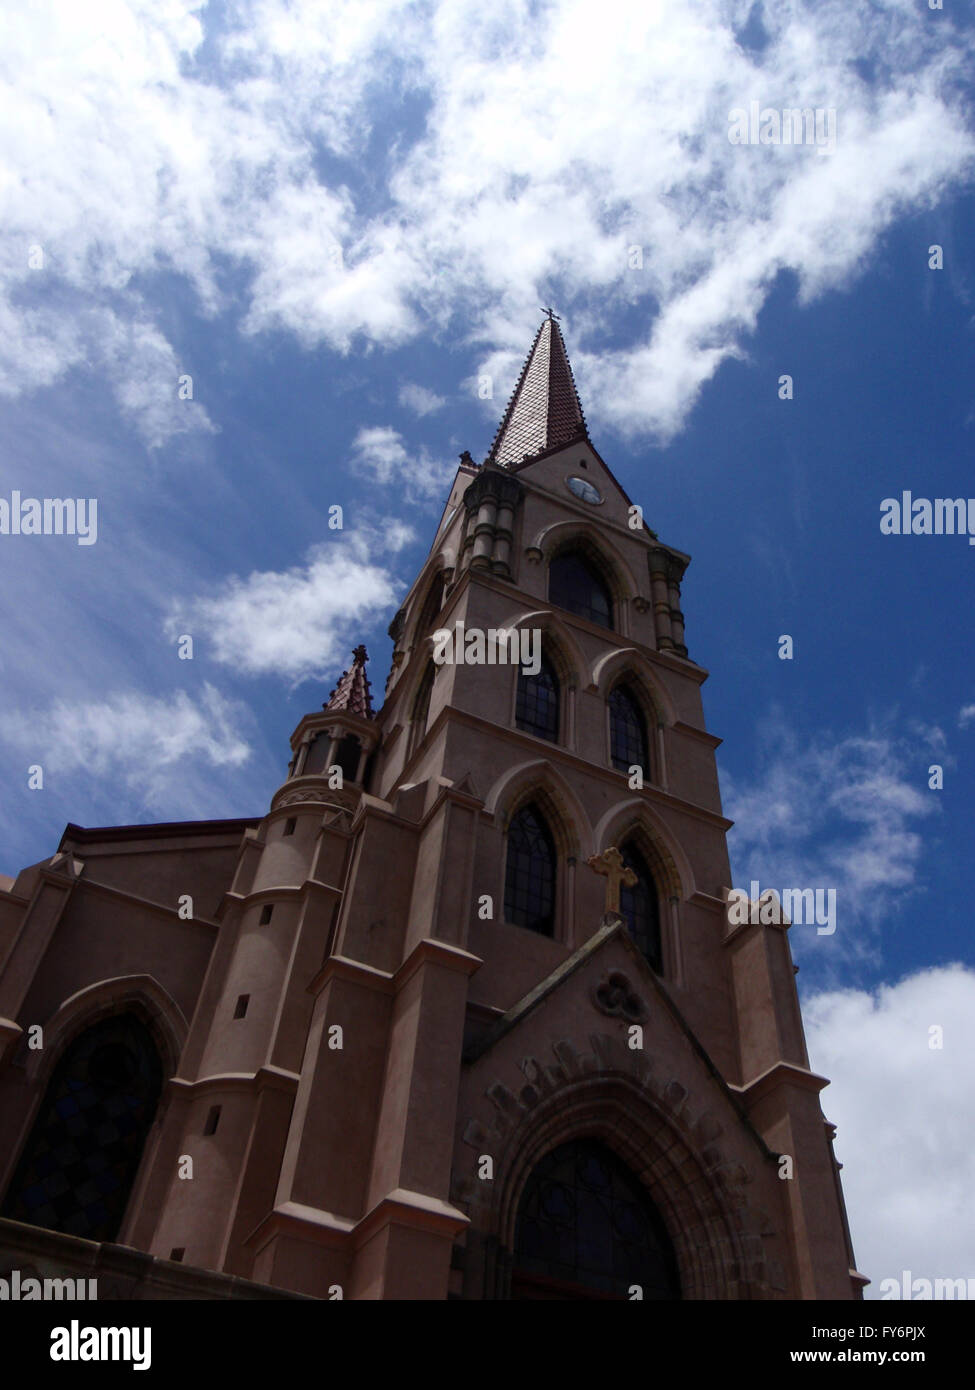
(587, 1229)
(80, 1161)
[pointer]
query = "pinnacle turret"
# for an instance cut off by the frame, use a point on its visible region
(352, 692)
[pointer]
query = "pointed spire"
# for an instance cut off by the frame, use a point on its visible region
(544, 410)
(352, 692)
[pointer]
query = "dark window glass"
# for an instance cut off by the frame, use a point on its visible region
(432, 605)
(347, 756)
(640, 907)
(421, 706)
(627, 732)
(575, 585)
(537, 704)
(317, 753)
(80, 1161)
(587, 1229)
(529, 884)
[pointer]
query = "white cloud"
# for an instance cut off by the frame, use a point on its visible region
(420, 400)
(965, 716)
(146, 378)
(903, 1114)
(841, 814)
(379, 452)
(148, 747)
(297, 623)
(522, 148)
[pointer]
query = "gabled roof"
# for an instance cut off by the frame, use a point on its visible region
(544, 411)
(612, 929)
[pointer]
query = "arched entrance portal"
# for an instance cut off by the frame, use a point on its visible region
(587, 1229)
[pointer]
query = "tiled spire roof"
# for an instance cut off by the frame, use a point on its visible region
(544, 410)
(352, 692)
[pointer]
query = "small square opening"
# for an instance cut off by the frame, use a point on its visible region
(241, 1007)
(213, 1119)
(289, 825)
(266, 911)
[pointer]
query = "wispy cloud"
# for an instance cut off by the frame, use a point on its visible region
(840, 814)
(420, 400)
(136, 751)
(902, 1108)
(515, 174)
(379, 453)
(297, 623)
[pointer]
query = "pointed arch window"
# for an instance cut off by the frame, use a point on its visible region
(627, 732)
(587, 1229)
(78, 1166)
(529, 882)
(432, 605)
(574, 584)
(537, 702)
(421, 706)
(640, 907)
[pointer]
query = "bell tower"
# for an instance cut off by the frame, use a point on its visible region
(600, 752)
(476, 1024)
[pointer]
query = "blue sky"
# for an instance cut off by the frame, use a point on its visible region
(337, 219)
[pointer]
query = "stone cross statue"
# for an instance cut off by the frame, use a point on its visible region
(610, 864)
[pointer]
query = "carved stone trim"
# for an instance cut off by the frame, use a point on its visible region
(614, 995)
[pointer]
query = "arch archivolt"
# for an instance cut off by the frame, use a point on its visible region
(141, 995)
(540, 782)
(629, 662)
(558, 644)
(634, 819)
(675, 1150)
(577, 535)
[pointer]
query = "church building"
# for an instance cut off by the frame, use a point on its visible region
(462, 1015)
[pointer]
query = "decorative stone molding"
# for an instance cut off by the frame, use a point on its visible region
(614, 995)
(66, 864)
(490, 502)
(651, 1122)
(335, 800)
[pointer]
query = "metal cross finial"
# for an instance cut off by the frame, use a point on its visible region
(551, 312)
(610, 864)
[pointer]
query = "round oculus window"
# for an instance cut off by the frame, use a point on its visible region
(581, 488)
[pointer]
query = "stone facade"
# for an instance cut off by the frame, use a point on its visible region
(363, 1061)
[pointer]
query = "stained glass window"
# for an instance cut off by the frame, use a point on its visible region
(80, 1161)
(537, 703)
(627, 731)
(529, 885)
(587, 1229)
(575, 585)
(640, 907)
